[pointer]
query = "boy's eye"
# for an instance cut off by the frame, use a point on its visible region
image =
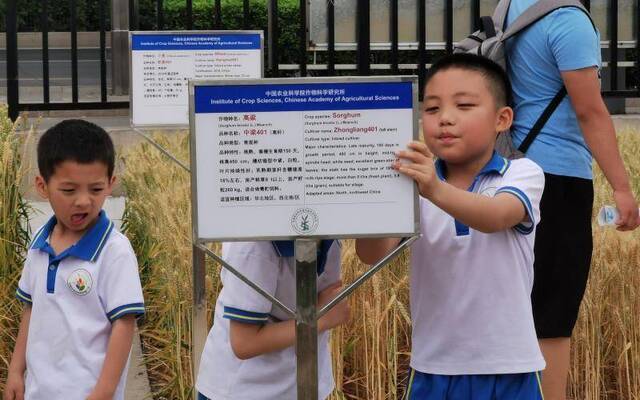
(431, 109)
(66, 190)
(97, 190)
(466, 105)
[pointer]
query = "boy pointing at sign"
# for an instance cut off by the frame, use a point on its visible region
(472, 269)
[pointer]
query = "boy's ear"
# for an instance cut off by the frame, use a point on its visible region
(41, 187)
(504, 119)
(112, 181)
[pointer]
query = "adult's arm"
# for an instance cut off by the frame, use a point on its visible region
(595, 122)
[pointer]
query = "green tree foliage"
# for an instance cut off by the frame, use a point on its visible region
(30, 15)
(175, 17)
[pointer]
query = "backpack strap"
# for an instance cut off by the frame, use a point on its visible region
(500, 14)
(488, 27)
(546, 114)
(537, 11)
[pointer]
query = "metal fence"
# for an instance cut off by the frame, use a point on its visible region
(620, 61)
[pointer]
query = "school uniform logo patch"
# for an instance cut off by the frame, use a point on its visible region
(80, 282)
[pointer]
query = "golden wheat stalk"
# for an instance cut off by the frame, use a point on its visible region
(371, 354)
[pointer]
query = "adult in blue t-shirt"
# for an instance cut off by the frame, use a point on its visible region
(563, 49)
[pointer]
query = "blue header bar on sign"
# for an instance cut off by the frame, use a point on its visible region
(303, 97)
(196, 41)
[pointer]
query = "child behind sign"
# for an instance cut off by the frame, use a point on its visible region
(472, 269)
(249, 353)
(80, 282)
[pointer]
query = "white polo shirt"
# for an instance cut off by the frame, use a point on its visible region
(470, 291)
(74, 298)
(222, 375)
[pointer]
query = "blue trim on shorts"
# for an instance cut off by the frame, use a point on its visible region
(202, 397)
(525, 386)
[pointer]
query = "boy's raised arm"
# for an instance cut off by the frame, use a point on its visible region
(14, 389)
(482, 213)
(116, 358)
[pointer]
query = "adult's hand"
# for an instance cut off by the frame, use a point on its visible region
(628, 209)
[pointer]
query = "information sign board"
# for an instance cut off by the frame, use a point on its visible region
(307, 157)
(163, 62)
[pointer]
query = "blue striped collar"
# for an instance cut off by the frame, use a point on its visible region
(88, 248)
(497, 164)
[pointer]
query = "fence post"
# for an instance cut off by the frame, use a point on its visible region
(303, 37)
(363, 37)
(13, 91)
(120, 47)
(200, 327)
(272, 37)
(422, 45)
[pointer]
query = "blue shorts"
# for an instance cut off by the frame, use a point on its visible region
(474, 387)
(202, 397)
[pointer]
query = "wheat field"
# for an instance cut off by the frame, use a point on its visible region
(370, 354)
(14, 234)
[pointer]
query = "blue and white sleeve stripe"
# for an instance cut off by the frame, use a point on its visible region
(118, 312)
(23, 296)
(245, 316)
(524, 227)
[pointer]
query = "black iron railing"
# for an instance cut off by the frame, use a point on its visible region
(282, 61)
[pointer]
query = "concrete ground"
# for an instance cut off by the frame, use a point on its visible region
(116, 122)
(137, 380)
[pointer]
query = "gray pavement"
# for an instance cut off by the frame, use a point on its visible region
(117, 126)
(137, 379)
(30, 67)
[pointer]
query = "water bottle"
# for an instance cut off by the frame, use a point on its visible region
(608, 216)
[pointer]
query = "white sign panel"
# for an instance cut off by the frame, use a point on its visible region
(279, 159)
(163, 62)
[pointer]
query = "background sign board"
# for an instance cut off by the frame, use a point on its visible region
(307, 157)
(163, 62)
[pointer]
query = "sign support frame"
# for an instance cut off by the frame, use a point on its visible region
(306, 313)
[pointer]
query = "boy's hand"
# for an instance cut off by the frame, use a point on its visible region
(339, 314)
(420, 167)
(14, 389)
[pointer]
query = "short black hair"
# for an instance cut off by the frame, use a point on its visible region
(74, 140)
(495, 76)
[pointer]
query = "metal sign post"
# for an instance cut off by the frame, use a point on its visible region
(306, 252)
